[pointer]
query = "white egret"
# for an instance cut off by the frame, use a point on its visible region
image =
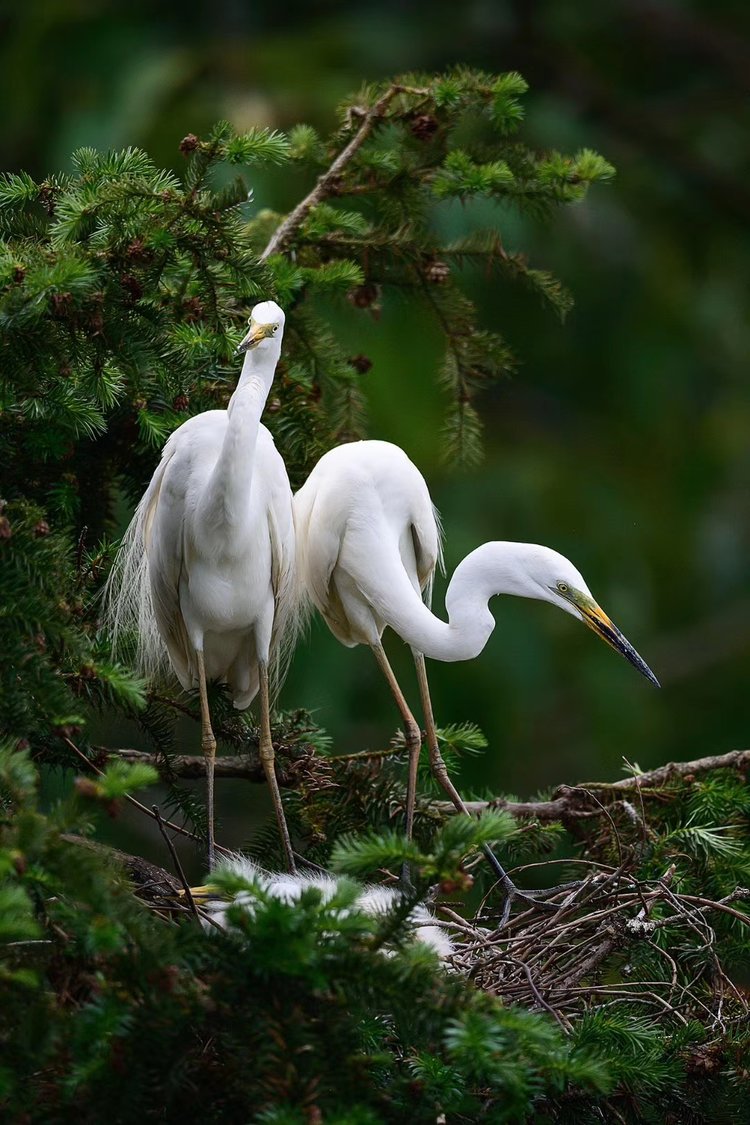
(367, 544)
(206, 571)
(373, 900)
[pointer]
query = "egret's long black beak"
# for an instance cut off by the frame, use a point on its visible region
(257, 333)
(597, 620)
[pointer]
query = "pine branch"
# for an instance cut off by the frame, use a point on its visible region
(325, 183)
(248, 766)
(571, 802)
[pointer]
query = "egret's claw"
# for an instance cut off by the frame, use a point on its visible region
(535, 898)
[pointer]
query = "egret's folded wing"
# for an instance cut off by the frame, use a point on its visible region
(427, 534)
(164, 547)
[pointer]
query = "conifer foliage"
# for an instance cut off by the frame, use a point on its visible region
(123, 291)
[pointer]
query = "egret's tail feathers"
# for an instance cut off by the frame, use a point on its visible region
(291, 615)
(440, 561)
(128, 615)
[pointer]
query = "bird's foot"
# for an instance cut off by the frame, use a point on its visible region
(405, 884)
(535, 899)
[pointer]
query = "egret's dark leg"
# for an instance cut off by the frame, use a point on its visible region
(413, 737)
(440, 773)
(208, 746)
(267, 758)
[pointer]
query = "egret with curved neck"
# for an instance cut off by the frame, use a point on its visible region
(368, 542)
(206, 572)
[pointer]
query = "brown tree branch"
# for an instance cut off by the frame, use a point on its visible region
(574, 802)
(247, 766)
(571, 802)
(327, 180)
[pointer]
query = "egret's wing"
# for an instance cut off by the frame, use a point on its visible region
(427, 536)
(288, 616)
(319, 550)
(164, 546)
(129, 603)
(283, 572)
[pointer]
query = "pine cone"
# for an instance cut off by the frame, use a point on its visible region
(132, 286)
(192, 309)
(436, 271)
(335, 184)
(364, 296)
(189, 144)
(137, 251)
(424, 126)
(41, 529)
(47, 197)
(61, 303)
(360, 363)
(180, 403)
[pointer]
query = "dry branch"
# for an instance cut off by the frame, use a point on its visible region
(573, 802)
(247, 766)
(570, 803)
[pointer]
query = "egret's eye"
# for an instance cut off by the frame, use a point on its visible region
(275, 327)
(562, 587)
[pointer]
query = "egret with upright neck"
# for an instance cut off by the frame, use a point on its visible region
(206, 571)
(368, 542)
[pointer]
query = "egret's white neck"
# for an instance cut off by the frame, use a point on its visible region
(258, 369)
(493, 568)
(228, 489)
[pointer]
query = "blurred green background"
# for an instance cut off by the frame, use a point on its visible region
(622, 441)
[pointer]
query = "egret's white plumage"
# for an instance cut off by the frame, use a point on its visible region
(206, 572)
(373, 900)
(367, 544)
(367, 533)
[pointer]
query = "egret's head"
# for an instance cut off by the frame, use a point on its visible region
(562, 584)
(266, 327)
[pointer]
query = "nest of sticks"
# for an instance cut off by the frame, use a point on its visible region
(584, 954)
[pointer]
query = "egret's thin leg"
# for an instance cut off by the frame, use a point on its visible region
(411, 731)
(439, 769)
(437, 765)
(208, 745)
(267, 758)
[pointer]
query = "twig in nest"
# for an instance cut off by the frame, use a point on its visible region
(176, 861)
(562, 963)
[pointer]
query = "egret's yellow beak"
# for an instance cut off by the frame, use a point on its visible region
(596, 619)
(201, 894)
(257, 333)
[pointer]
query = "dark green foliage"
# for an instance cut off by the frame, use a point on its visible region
(123, 287)
(108, 1010)
(52, 668)
(111, 1009)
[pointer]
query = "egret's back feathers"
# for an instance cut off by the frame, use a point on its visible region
(373, 900)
